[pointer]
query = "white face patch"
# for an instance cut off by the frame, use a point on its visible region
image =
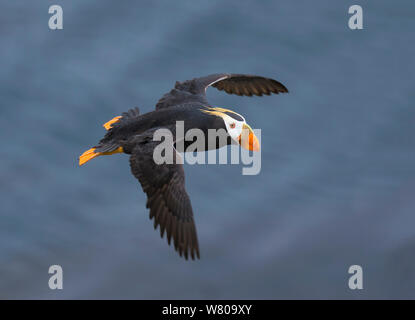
(233, 126)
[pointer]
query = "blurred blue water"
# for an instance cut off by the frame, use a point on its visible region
(337, 179)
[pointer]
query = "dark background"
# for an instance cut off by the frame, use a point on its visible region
(337, 180)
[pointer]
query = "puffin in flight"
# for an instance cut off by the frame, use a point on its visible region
(132, 133)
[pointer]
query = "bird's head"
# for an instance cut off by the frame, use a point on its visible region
(237, 128)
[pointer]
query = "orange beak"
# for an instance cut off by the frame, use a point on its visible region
(247, 139)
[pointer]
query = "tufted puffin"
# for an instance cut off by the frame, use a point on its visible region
(164, 184)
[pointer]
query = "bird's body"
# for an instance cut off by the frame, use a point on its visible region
(192, 116)
(133, 133)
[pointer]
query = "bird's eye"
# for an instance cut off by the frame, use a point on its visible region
(232, 125)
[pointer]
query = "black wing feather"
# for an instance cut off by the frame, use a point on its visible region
(168, 201)
(193, 91)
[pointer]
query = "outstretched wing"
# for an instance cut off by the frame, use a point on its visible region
(193, 91)
(167, 198)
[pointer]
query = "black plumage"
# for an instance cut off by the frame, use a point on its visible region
(164, 184)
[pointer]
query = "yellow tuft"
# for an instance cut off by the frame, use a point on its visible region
(220, 112)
